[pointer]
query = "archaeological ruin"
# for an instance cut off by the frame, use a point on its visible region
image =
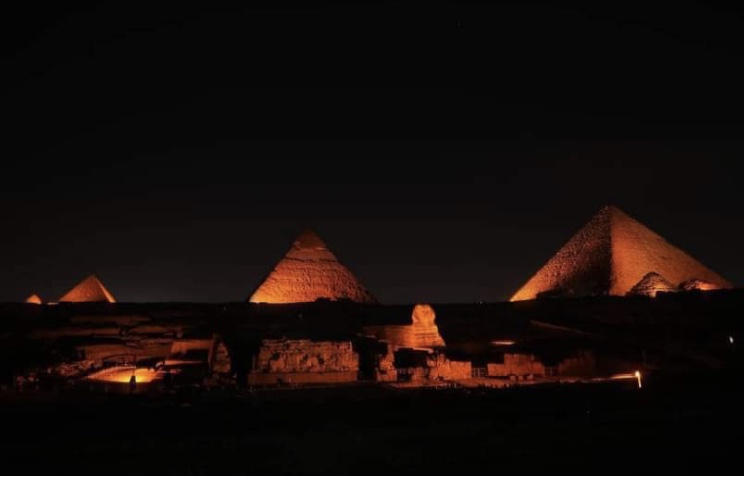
(616, 301)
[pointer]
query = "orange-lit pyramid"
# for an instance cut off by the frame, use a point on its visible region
(90, 289)
(651, 284)
(35, 299)
(308, 272)
(610, 255)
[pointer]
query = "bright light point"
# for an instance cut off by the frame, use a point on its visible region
(123, 374)
(502, 343)
(638, 377)
(731, 339)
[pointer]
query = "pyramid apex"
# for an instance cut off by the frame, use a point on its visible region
(309, 240)
(610, 209)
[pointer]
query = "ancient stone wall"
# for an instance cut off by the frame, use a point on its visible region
(385, 371)
(183, 346)
(517, 364)
(305, 356)
(442, 368)
(435, 367)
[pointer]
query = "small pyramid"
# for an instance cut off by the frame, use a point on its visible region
(697, 284)
(609, 256)
(651, 284)
(89, 290)
(35, 299)
(308, 272)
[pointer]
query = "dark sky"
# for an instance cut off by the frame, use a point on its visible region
(442, 153)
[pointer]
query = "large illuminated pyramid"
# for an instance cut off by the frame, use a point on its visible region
(308, 272)
(89, 290)
(612, 254)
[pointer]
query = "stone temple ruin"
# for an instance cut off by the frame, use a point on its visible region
(311, 322)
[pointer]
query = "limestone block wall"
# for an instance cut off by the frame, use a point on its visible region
(386, 371)
(517, 364)
(183, 346)
(435, 367)
(305, 356)
(445, 369)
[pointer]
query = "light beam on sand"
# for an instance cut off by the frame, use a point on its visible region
(636, 375)
(124, 375)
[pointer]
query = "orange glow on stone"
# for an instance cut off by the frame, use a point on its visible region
(308, 272)
(124, 375)
(651, 284)
(503, 343)
(697, 284)
(89, 290)
(423, 331)
(610, 255)
(35, 299)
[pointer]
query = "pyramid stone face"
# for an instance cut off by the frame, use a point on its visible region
(89, 290)
(35, 299)
(651, 284)
(609, 256)
(581, 266)
(308, 272)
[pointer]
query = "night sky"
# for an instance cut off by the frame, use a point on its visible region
(444, 154)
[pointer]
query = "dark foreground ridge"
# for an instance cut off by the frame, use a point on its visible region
(546, 386)
(674, 425)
